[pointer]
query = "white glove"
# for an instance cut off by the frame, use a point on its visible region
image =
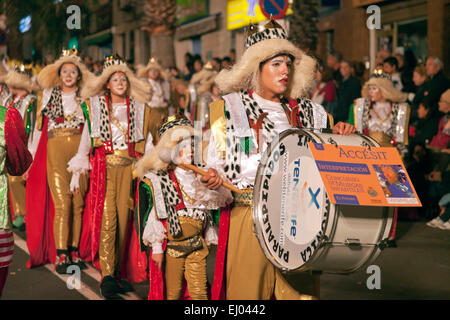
(75, 182)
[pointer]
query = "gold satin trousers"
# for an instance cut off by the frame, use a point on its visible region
(18, 187)
(250, 275)
(118, 202)
(68, 207)
(191, 267)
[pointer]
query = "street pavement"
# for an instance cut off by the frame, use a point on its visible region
(419, 268)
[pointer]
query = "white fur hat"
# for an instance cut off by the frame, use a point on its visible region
(263, 43)
(49, 76)
(20, 77)
(140, 90)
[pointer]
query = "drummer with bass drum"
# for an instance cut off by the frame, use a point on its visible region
(254, 110)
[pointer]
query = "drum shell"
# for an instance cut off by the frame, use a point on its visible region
(352, 236)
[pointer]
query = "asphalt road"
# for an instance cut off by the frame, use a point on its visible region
(419, 268)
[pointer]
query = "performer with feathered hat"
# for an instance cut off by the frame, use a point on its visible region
(159, 104)
(22, 97)
(264, 96)
(56, 221)
(116, 136)
(175, 214)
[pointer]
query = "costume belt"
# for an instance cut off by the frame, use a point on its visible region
(179, 249)
(63, 132)
(245, 199)
(120, 158)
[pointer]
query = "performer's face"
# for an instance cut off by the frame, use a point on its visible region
(274, 78)
(375, 93)
(69, 75)
(118, 84)
(153, 74)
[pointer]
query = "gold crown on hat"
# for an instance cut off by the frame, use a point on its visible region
(114, 60)
(70, 52)
(24, 69)
(379, 73)
(271, 30)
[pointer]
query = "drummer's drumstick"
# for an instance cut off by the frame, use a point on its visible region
(165, 155)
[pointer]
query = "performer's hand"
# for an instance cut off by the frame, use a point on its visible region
(213, 180)
(26, 174)
(344, 128)
(158, 258)
(75, 191)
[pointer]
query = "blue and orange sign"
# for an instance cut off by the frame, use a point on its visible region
(367, 177)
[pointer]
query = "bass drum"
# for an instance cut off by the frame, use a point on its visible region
(297, 226)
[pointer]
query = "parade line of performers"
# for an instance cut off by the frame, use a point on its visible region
(91, 165)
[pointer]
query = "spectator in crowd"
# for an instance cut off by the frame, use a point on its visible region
(88, 62)
(420, 79)
(348, 91)
(381, 56)
(173, 73)
(188, 69)
(438, 83)
(216, 63)
(390, 66)
(97, 68)
(443, 221)
(358, 71)
(334, 62)
(324, 93)
(232, 56)
(406, 69)
(442, 139)
(227, 63)
(198, 64)
(440, 147)
(419, 159)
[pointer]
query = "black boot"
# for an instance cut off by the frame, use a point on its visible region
(109, 288)
(75, 258)
(124, 286)
(62, 261)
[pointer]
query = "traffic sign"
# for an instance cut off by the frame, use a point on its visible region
(276, 8)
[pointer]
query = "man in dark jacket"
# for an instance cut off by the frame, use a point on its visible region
(348, 91)
(438, 83)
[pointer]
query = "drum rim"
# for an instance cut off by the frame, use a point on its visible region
(256, 190)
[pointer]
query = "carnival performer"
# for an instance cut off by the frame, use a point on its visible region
(56, 219)
(383, 114)
(264, 96)
(115, 137)
(14, 160)
(160, 106)
(22, 98)
(178, 198)
(200, 96)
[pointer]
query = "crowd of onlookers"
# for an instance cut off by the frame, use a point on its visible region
(339, 83)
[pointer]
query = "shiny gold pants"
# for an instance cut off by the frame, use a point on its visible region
(250, 275)
(192, 267)
(68, 207)
(17, 186)
(115, 217)
(157, 117)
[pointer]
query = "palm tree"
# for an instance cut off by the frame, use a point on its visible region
(161, 22)
(303, 27)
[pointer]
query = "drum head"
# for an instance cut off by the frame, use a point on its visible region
(291, 206)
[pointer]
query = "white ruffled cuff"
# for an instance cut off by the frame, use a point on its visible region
(211, 235)
(154, 232)
(75, 181)
(79, 164)
(157, 248)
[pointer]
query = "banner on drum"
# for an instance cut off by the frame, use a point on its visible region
(355, 175)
